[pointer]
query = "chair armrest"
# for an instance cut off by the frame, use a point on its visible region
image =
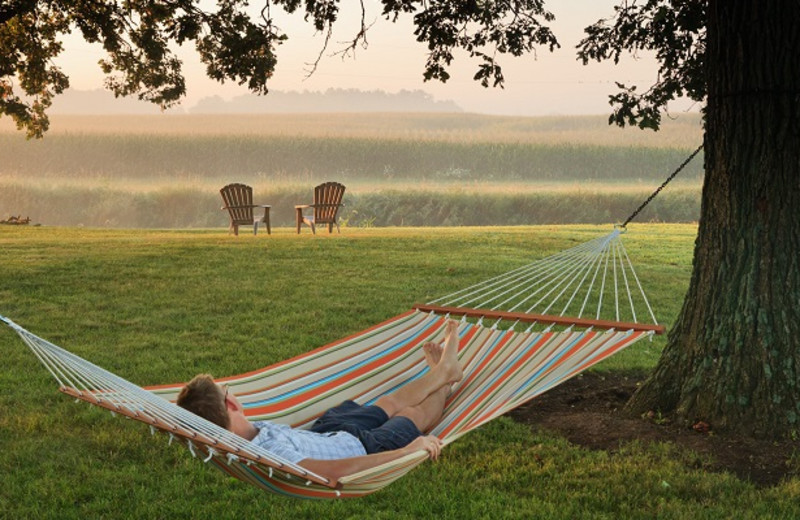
(245, 206)
(303, 206)
(324, 205)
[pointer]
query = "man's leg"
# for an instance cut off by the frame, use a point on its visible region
(405, 422)
(427, 413)
(445, 372)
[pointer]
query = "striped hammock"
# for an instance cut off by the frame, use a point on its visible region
(513, 347)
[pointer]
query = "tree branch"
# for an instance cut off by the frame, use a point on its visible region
(234, 45)
(11, 8)
(675, 31)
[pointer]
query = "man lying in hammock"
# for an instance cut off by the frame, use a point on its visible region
(347, 438)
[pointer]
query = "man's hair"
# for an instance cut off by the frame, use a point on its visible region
(203, 397)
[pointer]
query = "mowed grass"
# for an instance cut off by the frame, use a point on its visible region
(160, 306)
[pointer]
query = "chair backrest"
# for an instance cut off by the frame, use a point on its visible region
(327, 198)
(238, 200)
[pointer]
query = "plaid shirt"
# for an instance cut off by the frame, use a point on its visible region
(295, 445)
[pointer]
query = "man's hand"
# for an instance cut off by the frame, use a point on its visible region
(337, 468)
(429, 443)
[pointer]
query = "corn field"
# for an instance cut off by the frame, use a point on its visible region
(400, 169)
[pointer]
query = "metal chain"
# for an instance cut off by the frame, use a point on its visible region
(653, 195)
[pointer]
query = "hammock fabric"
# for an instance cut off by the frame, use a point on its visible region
(503, 367)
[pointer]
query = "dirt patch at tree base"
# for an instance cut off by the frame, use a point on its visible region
(587, 411)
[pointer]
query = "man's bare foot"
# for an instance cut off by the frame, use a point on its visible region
(449, 360)
(433, 353)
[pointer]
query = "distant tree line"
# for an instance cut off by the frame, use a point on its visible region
(331, 100)
(101, 101)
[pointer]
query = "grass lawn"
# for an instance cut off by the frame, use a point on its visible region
(161, 306)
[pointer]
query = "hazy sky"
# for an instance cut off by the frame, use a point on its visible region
(542, 84)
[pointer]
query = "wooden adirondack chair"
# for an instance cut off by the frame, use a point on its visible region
(238, 200)
(327, 201)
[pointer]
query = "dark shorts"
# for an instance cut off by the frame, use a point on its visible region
(369, 424)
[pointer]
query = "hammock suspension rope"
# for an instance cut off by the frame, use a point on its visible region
(658, 190)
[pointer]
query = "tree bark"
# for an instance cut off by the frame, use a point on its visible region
(733, 356)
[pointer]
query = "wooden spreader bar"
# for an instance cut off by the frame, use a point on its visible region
(544, 318)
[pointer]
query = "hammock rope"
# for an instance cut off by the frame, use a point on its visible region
(503, 368)
(559, 281)
(533, 272)
(98, 386)
(663, 185)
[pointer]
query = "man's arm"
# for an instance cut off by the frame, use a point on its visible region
(338, 468)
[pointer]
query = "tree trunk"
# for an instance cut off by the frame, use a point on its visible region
(733, 355)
